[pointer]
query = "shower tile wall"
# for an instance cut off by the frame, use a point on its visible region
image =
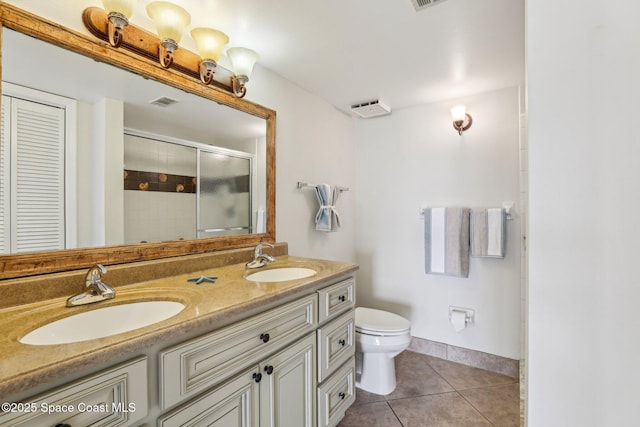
(159, 216)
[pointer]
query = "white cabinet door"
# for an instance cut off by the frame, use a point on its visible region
(288, 386)
(233, 404)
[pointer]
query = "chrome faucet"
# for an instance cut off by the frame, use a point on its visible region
(95, 289)
(260, 259)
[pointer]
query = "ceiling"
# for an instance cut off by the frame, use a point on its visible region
(350, 51)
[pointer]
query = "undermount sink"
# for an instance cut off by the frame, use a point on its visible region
(102, 322)
(281, 274)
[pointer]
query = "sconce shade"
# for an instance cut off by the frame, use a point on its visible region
(242, 60)
(461, 120)
(210, 42)
(170, 19)
(124, 7)
(458, 112)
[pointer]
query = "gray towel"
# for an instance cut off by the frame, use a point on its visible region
(488, 233)
(327, 218)
(446, 238)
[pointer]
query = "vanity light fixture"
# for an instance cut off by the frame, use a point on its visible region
(461, 119)
(210, 43)
(119, 13)
(171, 21)
(242, 60)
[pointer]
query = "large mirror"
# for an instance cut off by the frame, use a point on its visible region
(105, 164)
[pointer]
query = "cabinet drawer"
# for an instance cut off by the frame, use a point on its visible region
(115, 397)
(191, 367)
(336, 344)
(336, 395)
(336, 298)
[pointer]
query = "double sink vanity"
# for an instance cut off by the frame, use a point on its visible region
(271, 346)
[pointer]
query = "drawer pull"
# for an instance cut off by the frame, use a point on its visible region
(342, 342)
(342, 396)
(257, 377)
(342, 298)
(264, 337)
(63, 425)
(268, 369)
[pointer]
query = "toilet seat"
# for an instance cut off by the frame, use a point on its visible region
(380, 323)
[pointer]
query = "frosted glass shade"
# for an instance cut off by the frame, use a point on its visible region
(210, 42)
(170, 19)
(124, 7)
(458, 112)
(242, 60)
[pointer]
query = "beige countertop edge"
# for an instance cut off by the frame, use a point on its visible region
(100, 351)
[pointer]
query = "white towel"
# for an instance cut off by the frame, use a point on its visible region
(446, 237)
(488, 233)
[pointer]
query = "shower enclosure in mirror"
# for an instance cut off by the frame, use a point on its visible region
(178, 190)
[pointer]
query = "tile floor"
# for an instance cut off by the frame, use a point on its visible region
(434, 392)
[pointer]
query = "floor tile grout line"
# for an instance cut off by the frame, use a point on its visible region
(394, 414)
(476, 409)
(421, 395)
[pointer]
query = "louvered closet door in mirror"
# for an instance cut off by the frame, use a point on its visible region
(33, 145)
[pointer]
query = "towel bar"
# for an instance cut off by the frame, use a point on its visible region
(301, 185)
(506, 209)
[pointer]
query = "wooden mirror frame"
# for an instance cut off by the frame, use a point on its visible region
(19, 265)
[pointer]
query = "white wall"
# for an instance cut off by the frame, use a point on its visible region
(314, 143)
(412, 158)
(584, 287)
(107, 160)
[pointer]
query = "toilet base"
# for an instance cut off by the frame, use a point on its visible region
(375, 373)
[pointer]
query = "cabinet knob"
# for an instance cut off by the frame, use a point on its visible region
(257, 377)
(268, 369)
(264, 337)
(342, 342)
(342, 298)
(342, 396)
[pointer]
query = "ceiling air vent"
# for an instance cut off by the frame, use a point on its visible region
(423, 4)
(163, 101)
(370, 109)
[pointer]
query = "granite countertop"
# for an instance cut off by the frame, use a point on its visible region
(208, 306)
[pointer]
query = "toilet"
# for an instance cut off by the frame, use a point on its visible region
(380, 337)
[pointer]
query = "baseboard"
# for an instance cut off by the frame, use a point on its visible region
(477, 359)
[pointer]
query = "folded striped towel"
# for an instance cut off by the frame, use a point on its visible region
(446, 239)
(488, 233)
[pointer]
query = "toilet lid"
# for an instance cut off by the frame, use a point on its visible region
(370, 320)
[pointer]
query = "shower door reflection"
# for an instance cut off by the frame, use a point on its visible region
(224, 189)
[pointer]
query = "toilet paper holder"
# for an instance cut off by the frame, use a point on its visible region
(469, 314)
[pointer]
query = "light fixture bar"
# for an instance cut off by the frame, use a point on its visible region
(147, 45)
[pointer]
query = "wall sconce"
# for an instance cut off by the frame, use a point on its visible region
(170, 21)
(242, 60)
(461, 120)
(119, 13)
(210, 43)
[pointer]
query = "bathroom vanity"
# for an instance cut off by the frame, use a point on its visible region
(241, 352)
